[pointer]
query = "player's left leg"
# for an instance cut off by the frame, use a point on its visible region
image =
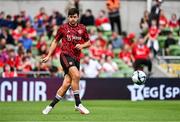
(60, 93)
(75, 75)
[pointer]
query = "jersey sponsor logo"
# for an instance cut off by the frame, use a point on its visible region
(75, 38)
(140, 52)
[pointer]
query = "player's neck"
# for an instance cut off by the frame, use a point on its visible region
(72, 25)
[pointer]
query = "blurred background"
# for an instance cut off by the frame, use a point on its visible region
(115, 29)
(126, 35)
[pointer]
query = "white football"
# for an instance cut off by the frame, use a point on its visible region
(139, 77)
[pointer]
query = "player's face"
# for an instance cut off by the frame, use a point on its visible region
(73, 19)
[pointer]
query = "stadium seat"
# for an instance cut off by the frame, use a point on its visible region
(91, 27)
(161, 40)
(174, 50)
(34, 51)
(56, 62)
(85, 51)
(116, 52)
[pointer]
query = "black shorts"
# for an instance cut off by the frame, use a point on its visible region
(67, 61)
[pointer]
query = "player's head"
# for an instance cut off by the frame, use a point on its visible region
(73, 16)
(141, 40)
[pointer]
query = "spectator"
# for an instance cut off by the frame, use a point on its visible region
(74, 4)
(51, 29)
(109, 66)
(6, 35)
(93, 35)
(17, 33)
(173, 23)
(13, 60)
(142, 55)
(96, 51)
(18, 21)
(168, 42)
(93, 66)
(39, 27)
(59, 18)
(42, 41)
(152, 35)
(109, 50)
(26, 41)
(26, 64)
(42, 15)
(102, 39)
(42, 67)
(102, 21)
(87, 18)
(155, 12)
(163, 22)
(126, 55)
(2, 15)
(144, 23)
(43, 50)
(128, 39)
(30, 30)
(114, 14)
(24, 16)
(3, 52)
(2, 43)
(8, 73)
(31, 58)
(8, 22)
(117, 41)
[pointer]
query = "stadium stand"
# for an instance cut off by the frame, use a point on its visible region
(28, 38)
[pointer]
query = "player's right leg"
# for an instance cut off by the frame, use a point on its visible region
(60, 93)
(75, 75)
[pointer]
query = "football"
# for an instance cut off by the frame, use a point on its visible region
(139, 77)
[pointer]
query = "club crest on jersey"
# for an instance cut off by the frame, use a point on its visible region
(70, 63)
(68, 37)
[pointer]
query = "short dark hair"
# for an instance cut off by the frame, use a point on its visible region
(73, 11)
(89, 10)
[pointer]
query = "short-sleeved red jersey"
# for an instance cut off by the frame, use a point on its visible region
(72, 35)
(140, 52)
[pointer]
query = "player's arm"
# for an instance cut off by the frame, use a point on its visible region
(54, 43)
(84, 45)
(51, 50)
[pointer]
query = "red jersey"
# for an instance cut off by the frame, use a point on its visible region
(163, 21)
(30, 31)
(125, 56)
(153, 32)
(97, 53)
(140, 52)
(9, 74)
(72, 35)
(100, 21)
(16, 35)
(173, 24)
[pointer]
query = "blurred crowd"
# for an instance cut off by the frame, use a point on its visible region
(24, 39)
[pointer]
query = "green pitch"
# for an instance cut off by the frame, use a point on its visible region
(101, 110)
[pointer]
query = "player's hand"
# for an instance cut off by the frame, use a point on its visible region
(45, 59)
(79, 46)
